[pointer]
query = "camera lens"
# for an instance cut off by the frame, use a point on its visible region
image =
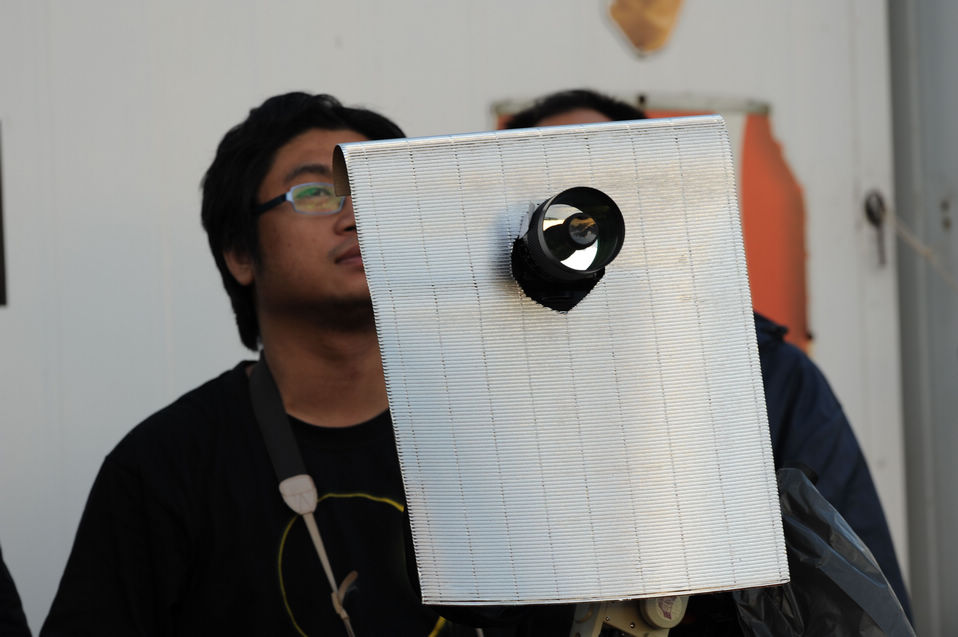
(571, 238)
(575, 233)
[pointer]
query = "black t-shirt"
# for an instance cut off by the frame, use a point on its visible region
(185, 532)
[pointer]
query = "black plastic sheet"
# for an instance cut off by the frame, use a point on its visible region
(836, 587)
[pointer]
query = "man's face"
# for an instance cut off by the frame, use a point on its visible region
(308, 263)
(576, 116)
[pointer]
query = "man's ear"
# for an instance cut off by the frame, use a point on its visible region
(240, 265)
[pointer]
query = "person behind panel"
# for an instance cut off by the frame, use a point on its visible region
(185, 531)
(807, 425)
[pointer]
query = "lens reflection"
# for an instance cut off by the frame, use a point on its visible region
(570, 235)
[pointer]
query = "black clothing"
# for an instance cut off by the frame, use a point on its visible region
(13, 623)
(185, 532)
(809, 429)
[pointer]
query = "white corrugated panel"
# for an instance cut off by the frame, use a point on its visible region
(618, 450)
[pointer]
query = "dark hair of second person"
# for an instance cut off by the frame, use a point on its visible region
(576, 99)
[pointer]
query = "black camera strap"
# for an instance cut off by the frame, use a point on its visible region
(274, 423)
(295, 484)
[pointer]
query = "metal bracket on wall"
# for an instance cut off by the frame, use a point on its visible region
(875, 212)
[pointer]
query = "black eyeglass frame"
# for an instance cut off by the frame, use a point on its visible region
(266, 206)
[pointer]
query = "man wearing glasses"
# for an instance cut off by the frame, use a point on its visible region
(185, 531)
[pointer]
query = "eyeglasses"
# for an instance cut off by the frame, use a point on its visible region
(314, 198)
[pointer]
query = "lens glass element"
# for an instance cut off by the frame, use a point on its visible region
(570, 236)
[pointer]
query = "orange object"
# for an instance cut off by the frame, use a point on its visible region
(646, 23)
(773, 224)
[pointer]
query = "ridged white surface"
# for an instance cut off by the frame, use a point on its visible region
(620, 450)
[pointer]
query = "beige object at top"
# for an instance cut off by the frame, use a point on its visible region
(647, 23)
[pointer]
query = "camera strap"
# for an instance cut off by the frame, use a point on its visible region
(295, 484)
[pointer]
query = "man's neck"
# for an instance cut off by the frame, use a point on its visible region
(331, 378)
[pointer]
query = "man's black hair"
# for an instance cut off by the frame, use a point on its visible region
(243, 158)
(565, 101)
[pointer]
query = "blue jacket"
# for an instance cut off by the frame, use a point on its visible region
(809, 428)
